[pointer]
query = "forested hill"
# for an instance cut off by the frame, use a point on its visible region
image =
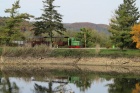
(78, 25)
(25, 25)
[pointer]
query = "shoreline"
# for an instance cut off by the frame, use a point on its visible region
(93, 64)
(99, 61)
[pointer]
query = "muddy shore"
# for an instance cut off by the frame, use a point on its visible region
(97, 64)
(100, 61)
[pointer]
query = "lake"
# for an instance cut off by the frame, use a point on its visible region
(67, 79)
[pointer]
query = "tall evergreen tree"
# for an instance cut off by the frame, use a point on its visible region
(125, 17)
(11, 29)
(49, 21)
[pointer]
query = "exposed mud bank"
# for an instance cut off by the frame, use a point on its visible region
(96, 64)
(48, 68)
(100, 61)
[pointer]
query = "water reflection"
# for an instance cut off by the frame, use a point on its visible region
(7, 87)
(62, 88)
(42, 89)
(125, 85)
(67, 80)
(81, 82)
(137, 88)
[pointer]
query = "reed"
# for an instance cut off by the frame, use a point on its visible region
(2, 58)
(41, 50)
(97, 49)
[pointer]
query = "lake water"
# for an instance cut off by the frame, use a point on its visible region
(42, 80)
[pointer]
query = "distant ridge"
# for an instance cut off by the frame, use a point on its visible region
(76, 26)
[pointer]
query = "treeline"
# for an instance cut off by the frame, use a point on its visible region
(124, 27)
(91, 38)
(16, 28)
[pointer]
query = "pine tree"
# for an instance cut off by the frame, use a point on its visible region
(120, 26)
(11, 29)
(49, 21)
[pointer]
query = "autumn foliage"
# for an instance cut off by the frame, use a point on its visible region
(137, 88)
(136, 34)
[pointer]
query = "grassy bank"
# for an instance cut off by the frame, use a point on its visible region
(47, 52)
(93, 53)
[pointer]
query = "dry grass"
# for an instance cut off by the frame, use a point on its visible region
(41, 50)
(97, 49)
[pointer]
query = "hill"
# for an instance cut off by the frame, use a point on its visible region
(27, 26)
(76, 26)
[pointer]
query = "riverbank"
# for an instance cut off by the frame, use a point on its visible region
(100, 61)
(103, 65)
(91, 64)
(42, 54)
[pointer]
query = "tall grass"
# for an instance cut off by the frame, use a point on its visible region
(97, 49)
(36, 51)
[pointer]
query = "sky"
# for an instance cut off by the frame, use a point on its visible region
(94, 11)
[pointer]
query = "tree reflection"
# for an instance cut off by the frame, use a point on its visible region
(62, 88)
(41, 89)
(7, 87)
(124, 85)
(83, 84)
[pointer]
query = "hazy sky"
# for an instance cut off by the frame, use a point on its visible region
(95, 11)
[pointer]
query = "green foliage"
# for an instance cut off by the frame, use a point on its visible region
(49, 21)
(123, 85)
(90, 38)
(70, 33)
(3, 21)
(120, 26)
(10, 31)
